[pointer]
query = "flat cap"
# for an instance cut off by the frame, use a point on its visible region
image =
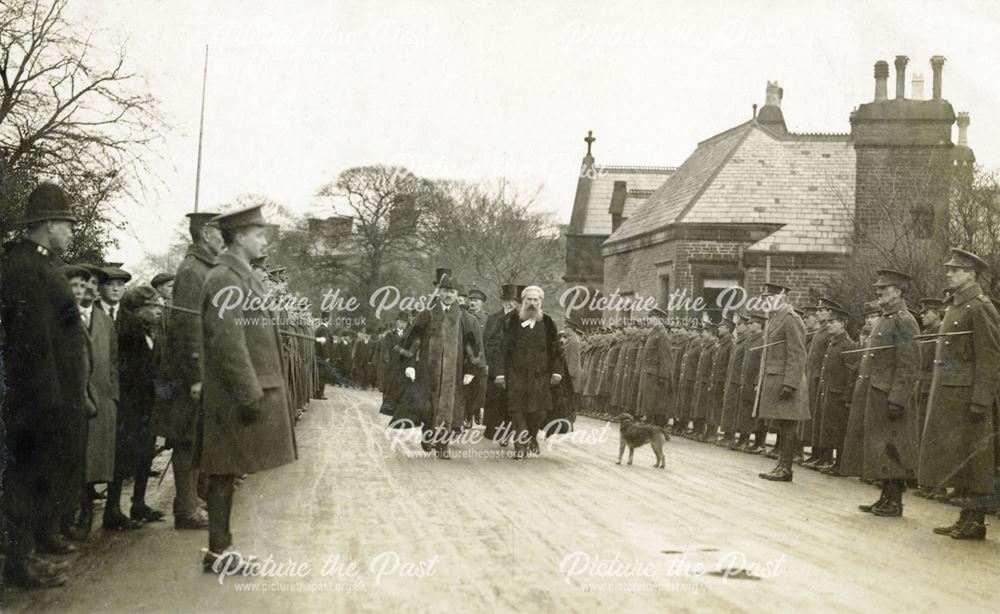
(140, 296)
(114, 273)
(161, 278)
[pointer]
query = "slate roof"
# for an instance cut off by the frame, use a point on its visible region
(597, 218)
(750, 175)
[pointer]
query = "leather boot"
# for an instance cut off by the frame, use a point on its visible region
(963, 516)
(974, 526)
(893, 507)
(882, 498)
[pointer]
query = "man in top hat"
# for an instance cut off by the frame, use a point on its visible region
(495, 410)
(657, 364)
(957, 449)
(782, 382)
(530, 363)
(182, 371)
(448, 344)
(886, 448)
(475, 397)
(45, 378)
(833, 391)
(246, 425)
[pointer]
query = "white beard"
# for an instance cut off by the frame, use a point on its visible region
(524, 315)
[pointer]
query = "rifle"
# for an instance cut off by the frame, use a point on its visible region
(765, 345)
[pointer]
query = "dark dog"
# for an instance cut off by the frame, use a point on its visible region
(636, 435)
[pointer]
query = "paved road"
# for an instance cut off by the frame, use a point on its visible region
(384, 529)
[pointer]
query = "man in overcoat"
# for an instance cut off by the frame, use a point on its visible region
(782, 388)
(495, 417)
(45, 378)
(530, 363)
(834, 390)
(449, 347)
(180, 380)
(246, 426)
(887, 447)
(958, 446)
(657, 366)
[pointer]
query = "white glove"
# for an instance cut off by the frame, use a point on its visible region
(321, 340)
(411, 374)
(500, 381)
(555, 379)
(467, 378)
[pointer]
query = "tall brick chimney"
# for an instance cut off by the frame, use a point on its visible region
(881, 80)
(904, 159)
(770, 115)
(937, 64)
(901, 61)
(917, 87)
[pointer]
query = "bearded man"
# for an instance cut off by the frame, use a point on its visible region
(530, 363)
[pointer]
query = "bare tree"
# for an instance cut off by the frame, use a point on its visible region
(974, 220)
(392, 211)
(68, 109)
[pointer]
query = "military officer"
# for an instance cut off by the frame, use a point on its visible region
(957, 449)
(886, 447)
(657, 365)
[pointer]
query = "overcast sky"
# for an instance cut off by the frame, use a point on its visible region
(300, 90)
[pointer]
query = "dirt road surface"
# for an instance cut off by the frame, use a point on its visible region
(366, 523)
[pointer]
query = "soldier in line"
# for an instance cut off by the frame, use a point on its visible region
(885, 448)
(930, 313)
(957, 449)
(245, 426)
(833, 401)
(732, 383)
(679, 341)
(655, 386)
(182, 370)
(703, 396)
(720, 369)
(782, 378)
(750, 381)
(819, 456)
(689, 379)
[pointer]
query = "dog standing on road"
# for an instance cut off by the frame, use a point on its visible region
(636, 435)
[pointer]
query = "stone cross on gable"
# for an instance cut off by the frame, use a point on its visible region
(589, 140)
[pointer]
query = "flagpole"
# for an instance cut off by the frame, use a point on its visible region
(201, 131)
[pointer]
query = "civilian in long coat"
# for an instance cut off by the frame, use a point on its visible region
(530, 364)
(957, 449)
(246, 427)
(495, 418)
(179, 388)
(46, 405)
(781, 394)
(448, 347)
(657, 367)
(834, 390)
(889, 444)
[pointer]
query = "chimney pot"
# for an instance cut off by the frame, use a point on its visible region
(773, 94)
(963, 128)
(881, 79)
(917, 87)
(901, 61)
(937, 63)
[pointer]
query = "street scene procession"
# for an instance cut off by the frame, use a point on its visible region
(499, 307)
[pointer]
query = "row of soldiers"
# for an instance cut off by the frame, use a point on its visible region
(904, 404)
(96, 370)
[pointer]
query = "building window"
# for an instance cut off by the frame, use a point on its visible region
(664, 295)
(711, 288)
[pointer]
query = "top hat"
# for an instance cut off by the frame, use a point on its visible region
(966, 260)
(446, 281)
(888, 277)
(520, 291)
(47, 202)
(508, 292)
(250, 216)
(439, 273)
(161, 278)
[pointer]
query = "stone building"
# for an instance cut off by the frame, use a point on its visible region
(758, 201)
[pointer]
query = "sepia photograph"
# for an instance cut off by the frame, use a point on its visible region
(499, 306)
